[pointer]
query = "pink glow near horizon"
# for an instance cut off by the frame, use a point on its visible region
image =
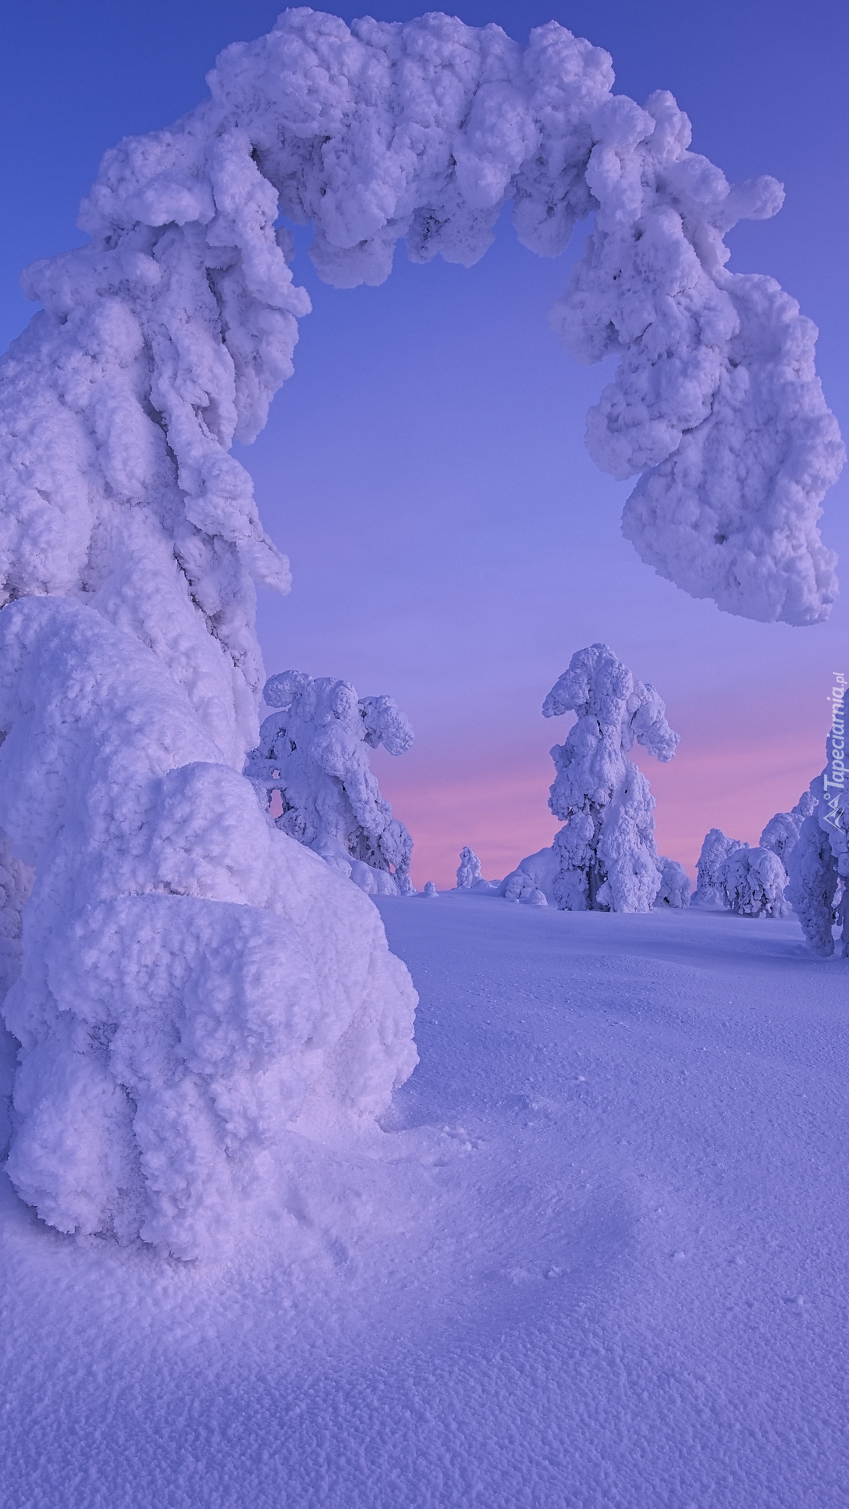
(734, 782)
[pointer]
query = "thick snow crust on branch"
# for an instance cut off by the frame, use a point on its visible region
(194, 986)
(752, 882)
(715, 850)
(167, 336)
(606, 854)
(313, 749)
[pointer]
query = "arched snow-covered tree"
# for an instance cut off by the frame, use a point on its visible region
(715, 850)
(606, 854)
(313, 749)
(133, 533)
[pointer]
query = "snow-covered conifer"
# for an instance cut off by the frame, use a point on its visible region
(752, 883)
(313, 749)
(606, 854)
(429, 889)
(819, 862)
(469, 869)
(782, 831)
(674, 887)
(715, 849)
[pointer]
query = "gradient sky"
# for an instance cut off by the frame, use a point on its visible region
(451, 542)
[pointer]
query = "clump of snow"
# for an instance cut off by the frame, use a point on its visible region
(715, 850)
(752, 883)
(782, 831)
(313, 749)
(429, 889)
(194, 986)
(605, 854)
(469, 869)
(674, 887)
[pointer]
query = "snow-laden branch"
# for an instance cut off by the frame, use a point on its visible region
(168, 335)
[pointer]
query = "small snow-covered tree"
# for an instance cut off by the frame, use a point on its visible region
(782, 831)
(752, 883)
(674, 888)
(469, 869)
(607, 859)
(715, 850)
(313, 749)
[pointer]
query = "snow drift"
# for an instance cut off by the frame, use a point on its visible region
(313, 749)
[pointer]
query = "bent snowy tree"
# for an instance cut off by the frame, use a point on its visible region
(606, 854)
(160, 342)
(313, 749)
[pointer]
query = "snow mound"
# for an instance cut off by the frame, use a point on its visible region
(194, 986)
(752, 883)
(313, 749)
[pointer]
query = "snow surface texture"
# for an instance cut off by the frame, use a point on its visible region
(606, 854)
(715, 850)
(168, 335)
(313, 749)
(752, 882)
(600, 1261)
(469, 869)
(195, 987)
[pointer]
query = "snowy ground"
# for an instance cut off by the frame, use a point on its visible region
(600, 1258)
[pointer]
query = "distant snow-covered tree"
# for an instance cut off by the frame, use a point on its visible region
(313, 749)
(752, 883)
(674, 888)
(715, 850)
(469, 869)
(429, 889)
(782, 831)
(606, 854)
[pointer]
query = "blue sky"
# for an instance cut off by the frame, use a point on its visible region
(451, 542)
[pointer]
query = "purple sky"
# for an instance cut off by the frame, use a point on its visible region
(451, 542)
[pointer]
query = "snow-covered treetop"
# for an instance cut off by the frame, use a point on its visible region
(599, 687)
(166, 337)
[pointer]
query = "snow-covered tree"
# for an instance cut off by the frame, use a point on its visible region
(158, 344)
(313, 749)
(606, 854)
(782, 831)
(819, 862)
(674, 889)
(752, 883)
(469, 869)
(715, 850)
